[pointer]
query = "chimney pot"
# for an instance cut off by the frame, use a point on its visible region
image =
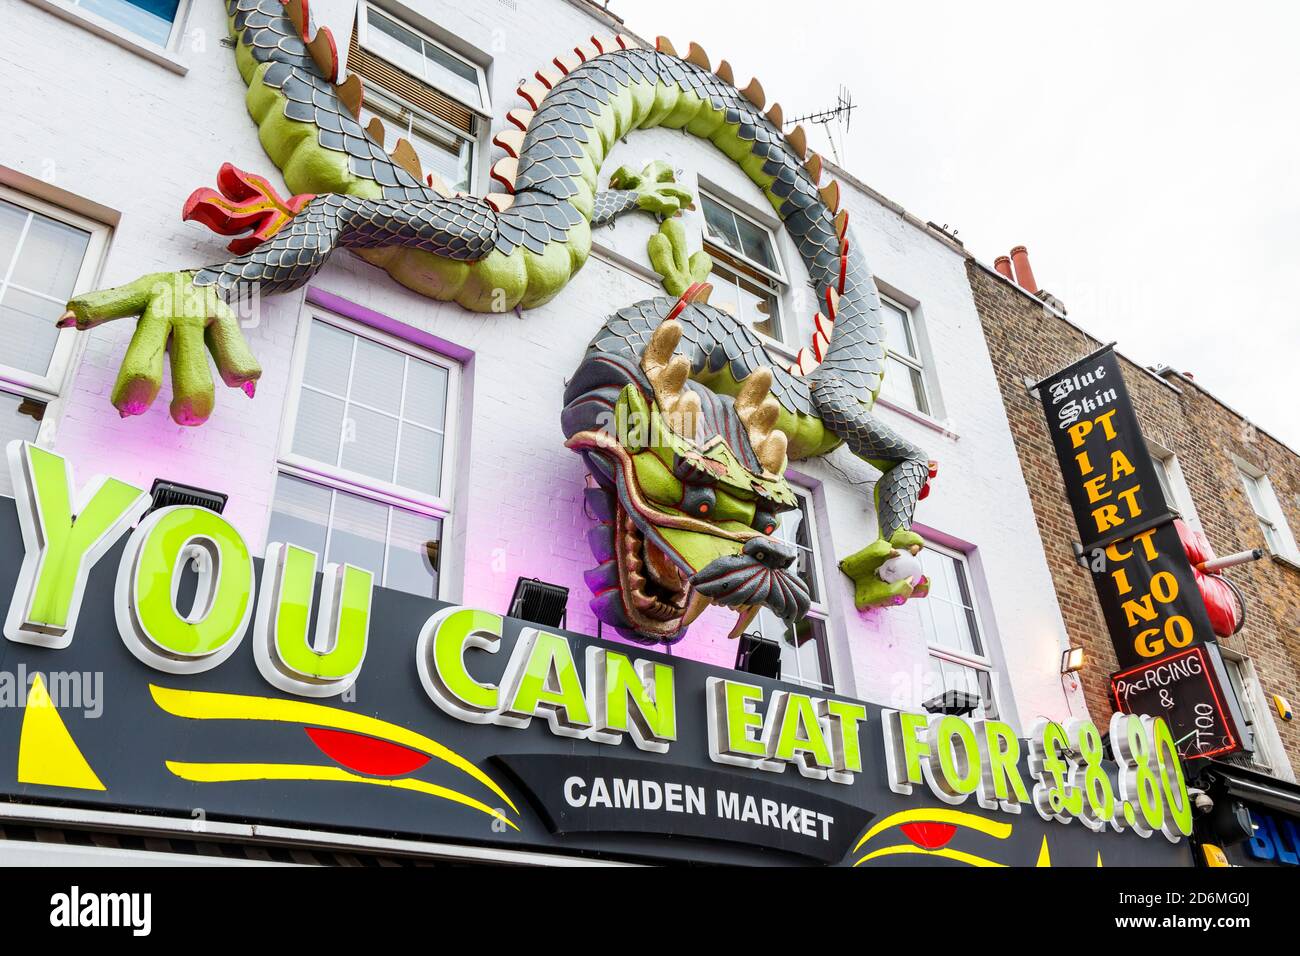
(1002, 264)
(1024, 274)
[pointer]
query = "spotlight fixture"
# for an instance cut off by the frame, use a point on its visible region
(1072, 659)
(759, 656)
(540, 603)
(167, 493)
(954, 703)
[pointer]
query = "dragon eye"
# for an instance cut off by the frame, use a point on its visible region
(699, 500)
(765, 521)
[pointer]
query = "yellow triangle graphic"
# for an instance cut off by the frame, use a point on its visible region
(1099, 857)
(1044, 858)
(47, 754)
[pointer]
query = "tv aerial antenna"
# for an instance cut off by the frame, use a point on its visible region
(841, 114)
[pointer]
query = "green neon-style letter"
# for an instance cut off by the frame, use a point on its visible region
(63, 541)
(147, 618)
(635, 699)
(440, 660)
(286, 653)
(798, 736)
(543, 679)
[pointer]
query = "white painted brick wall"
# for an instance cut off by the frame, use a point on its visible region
(125, 133)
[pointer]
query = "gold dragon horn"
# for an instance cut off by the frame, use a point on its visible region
(758, 411)
(667, 372)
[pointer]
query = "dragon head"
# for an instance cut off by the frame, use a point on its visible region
(688, 488)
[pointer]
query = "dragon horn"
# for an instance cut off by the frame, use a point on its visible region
(758, 412)
(667, 373)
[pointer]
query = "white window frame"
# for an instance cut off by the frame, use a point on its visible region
(48, 387)
(339, 478)
(1252, 704)
(392, 109)
(980, 662)
(1166, 462)
(778, 274)
(917, 364)
(818, 610)
(95, 20)
(363, 39)
(1274, 519)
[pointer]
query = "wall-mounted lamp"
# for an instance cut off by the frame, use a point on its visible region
(540, 603)
(1072, 659)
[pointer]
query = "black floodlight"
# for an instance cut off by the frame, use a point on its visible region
(168, 493)
(955, 703)
(759, 656)
(540, 603)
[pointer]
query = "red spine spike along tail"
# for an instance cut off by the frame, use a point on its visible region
(245, 202)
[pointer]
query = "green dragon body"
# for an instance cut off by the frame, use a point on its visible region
(519, 249)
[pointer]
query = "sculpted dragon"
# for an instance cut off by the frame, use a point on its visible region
(688, 482)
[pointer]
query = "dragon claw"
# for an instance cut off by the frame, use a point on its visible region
(864, 568)
(176, 319)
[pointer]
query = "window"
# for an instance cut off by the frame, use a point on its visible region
(1259, 492)
(747, 278)
(366, 460)
(1241, 676)
(152, 20)
(959, 658)
(904, 382)
(421, 91)
(1170, 476)
(446, 154)
(46, 256)
(804, 656)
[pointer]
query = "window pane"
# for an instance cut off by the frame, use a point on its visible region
(948, 675)
(413, 553)
(898, 329)
(329, 358)
(395, 43)
(756, 243)
(903, 386)
(12, 220)
(357, 534)
(426, 394)
(748, 302)
(20, 418)
(1161, 467)
(721, 223)
(50, 258)
(948, 613)
(151, 19)
(1255, 493)
(803, 654)
(377, 376)
(318, 431)
(369, 443)
(27, 331)
(420, 463)
(793, 528)
(452, 75)
(299, 514)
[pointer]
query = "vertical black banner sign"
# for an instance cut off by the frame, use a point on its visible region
(1145, 584)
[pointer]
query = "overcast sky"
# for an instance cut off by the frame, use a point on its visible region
(1147, 153)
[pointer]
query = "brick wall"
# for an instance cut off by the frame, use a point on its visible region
(1028, 341)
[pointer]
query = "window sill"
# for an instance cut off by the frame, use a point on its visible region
(919, 417)
(1286, 561)
(114, 34)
